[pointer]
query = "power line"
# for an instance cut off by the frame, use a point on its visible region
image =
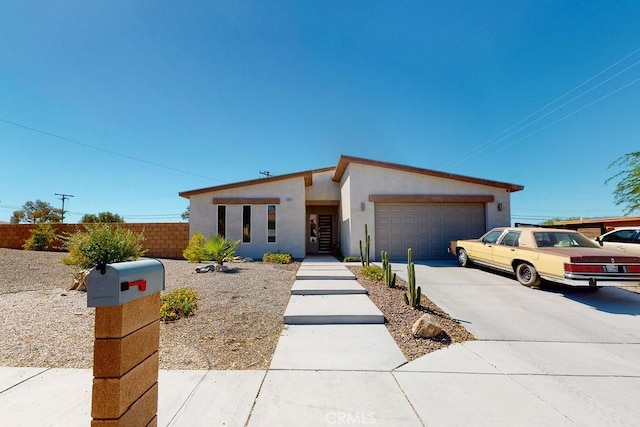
(487, 144)
(104, 150)
(480, 149)
(573, 113)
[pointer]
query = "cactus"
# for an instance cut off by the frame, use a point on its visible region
(365, 259)
(389, 277)
(412, 296)
(367, 246)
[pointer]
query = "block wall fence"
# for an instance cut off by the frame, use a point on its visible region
(162, 239)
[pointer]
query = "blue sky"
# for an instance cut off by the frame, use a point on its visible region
(124, 104)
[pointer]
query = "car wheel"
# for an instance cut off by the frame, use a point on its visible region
(527, 275)
(463, 258)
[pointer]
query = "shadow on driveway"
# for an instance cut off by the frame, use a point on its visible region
(609, 299)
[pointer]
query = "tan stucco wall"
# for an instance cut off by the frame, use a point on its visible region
(290, 217)
(360, 181)
(323, 187)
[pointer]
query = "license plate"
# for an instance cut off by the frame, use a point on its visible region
(611, 268)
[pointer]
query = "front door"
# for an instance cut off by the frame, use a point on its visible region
(321, 231)
(325, 232)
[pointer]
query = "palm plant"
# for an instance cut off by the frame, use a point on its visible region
(218, 248)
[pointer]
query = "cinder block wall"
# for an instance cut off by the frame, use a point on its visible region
(162, 239)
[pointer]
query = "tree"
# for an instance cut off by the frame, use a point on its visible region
(102, 217)
(36, 212)
(627, 191)
(186, 214)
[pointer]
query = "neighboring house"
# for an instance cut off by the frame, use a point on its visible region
(317, 211)
(593, 227)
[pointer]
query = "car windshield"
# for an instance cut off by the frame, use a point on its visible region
(562, 239)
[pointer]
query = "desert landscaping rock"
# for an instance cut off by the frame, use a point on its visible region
(399, 318)
(426, 327)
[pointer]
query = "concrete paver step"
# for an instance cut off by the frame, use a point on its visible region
(327, 274)
(323, 267)
(326, 287)
(331, 309)
(337, 347)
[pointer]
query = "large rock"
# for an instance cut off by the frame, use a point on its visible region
(426, 327)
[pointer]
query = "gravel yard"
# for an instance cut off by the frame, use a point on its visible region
(237, 325)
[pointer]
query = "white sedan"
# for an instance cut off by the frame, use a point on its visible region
(623, 239)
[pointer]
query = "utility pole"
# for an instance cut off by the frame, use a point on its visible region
(63, 197)
(266, 173)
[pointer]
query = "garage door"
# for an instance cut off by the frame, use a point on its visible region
(427, 228)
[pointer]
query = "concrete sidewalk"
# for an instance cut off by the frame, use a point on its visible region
(328, 373)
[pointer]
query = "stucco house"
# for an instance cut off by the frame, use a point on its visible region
(316, 211)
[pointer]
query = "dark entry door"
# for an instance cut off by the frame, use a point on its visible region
(325, 232)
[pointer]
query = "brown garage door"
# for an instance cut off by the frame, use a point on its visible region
(427, 228)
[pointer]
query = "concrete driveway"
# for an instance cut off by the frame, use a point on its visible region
(555, 356)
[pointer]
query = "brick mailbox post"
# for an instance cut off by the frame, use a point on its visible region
(127, 337)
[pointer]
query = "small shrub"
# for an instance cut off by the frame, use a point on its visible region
(178, 304)
(277, 258)
(220, 249)
(41, 237)
(352, 259)
(373, 272)
(196, 251)
(102, 243)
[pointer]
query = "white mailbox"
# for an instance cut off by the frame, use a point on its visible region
(121, 282)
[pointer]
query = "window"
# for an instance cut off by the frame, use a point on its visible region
(271, 223)
(313, 228)
(222, 220)
(623, 236)
(511, 239)
(563, 239)
(246, 224)
(492, 236)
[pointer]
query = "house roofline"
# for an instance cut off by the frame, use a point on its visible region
(610, 220)
(307, 175)
(344, 162)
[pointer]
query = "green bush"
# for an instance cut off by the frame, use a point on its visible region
(41, 237)
(352, 259)
(178, 304)
(220, 249)
(277, 258)
(196, 252)
(373, 272)
(102, 243)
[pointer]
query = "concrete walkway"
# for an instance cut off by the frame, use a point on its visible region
(336, 364)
